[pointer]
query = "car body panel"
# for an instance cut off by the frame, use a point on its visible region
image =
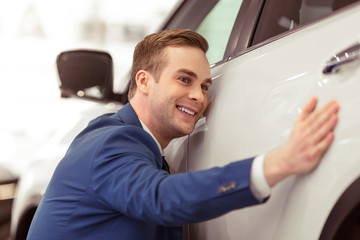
(259, 94)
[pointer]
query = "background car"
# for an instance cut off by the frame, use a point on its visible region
(269, 57)
(7, 191)
(32, 34)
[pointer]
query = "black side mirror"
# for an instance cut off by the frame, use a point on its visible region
(85, 73)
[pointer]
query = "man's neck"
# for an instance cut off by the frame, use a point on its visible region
(143, 116)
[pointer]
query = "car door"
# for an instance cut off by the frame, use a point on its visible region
(296, 50)
(215, 20)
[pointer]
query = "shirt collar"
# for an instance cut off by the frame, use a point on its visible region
(149, 132)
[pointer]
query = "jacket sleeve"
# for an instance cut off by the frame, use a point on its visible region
(127, 177)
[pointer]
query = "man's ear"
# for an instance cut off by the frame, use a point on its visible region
(142, 81)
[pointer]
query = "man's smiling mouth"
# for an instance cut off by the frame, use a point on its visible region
(186, 111)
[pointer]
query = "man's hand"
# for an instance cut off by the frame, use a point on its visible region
(311, 136)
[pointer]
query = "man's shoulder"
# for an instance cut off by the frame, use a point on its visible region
(110, 125)
(125, 116)
(110, 130)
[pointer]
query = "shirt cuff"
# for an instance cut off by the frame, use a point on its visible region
(258, 184)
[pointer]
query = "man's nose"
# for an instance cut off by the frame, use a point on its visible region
(197, 94)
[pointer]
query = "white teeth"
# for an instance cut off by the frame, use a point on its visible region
(186, 110)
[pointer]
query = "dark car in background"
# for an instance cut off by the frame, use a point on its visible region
(8, 183)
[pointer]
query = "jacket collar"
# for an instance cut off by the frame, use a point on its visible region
(128, 115)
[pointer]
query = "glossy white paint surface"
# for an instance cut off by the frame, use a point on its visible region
(256, 98)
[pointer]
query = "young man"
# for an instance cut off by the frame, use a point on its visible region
(112, 182)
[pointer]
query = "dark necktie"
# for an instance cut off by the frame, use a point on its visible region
(165, 165)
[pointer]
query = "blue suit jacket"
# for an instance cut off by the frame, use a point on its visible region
(110, 185)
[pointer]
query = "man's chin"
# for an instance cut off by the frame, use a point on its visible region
(185, 131)
(189, 130)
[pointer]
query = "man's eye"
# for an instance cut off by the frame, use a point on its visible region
(184, 79)
(204, 87)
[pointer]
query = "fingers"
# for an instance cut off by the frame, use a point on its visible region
(312, 135)
(320, 117)
(308, 108)
(320, 125)
(324, 144)
(321, 148)
(325, 126)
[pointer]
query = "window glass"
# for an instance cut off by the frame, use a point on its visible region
(281, 16)
(216, 27)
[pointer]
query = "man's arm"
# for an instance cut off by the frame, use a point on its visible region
(311, 136)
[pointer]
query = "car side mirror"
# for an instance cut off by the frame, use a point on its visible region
(86, 73)
(6, 177)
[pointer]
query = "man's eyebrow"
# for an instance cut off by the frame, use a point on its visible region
(192, 74)
(188, 72)
(208, 80)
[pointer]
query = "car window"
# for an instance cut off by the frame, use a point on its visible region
(216, 27)
(280, 16)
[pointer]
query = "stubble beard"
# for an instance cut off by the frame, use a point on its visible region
(172, 125)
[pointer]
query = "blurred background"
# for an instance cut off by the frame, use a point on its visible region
(32, 34)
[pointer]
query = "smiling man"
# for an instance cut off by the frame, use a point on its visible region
(113, 183)
(182, 85)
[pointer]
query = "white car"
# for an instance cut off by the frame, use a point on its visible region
(269, 58)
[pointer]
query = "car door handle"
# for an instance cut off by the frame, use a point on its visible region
(349, 55)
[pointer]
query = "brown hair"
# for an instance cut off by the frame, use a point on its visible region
(148, 54)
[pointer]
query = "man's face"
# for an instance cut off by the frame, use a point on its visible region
(179, 97)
